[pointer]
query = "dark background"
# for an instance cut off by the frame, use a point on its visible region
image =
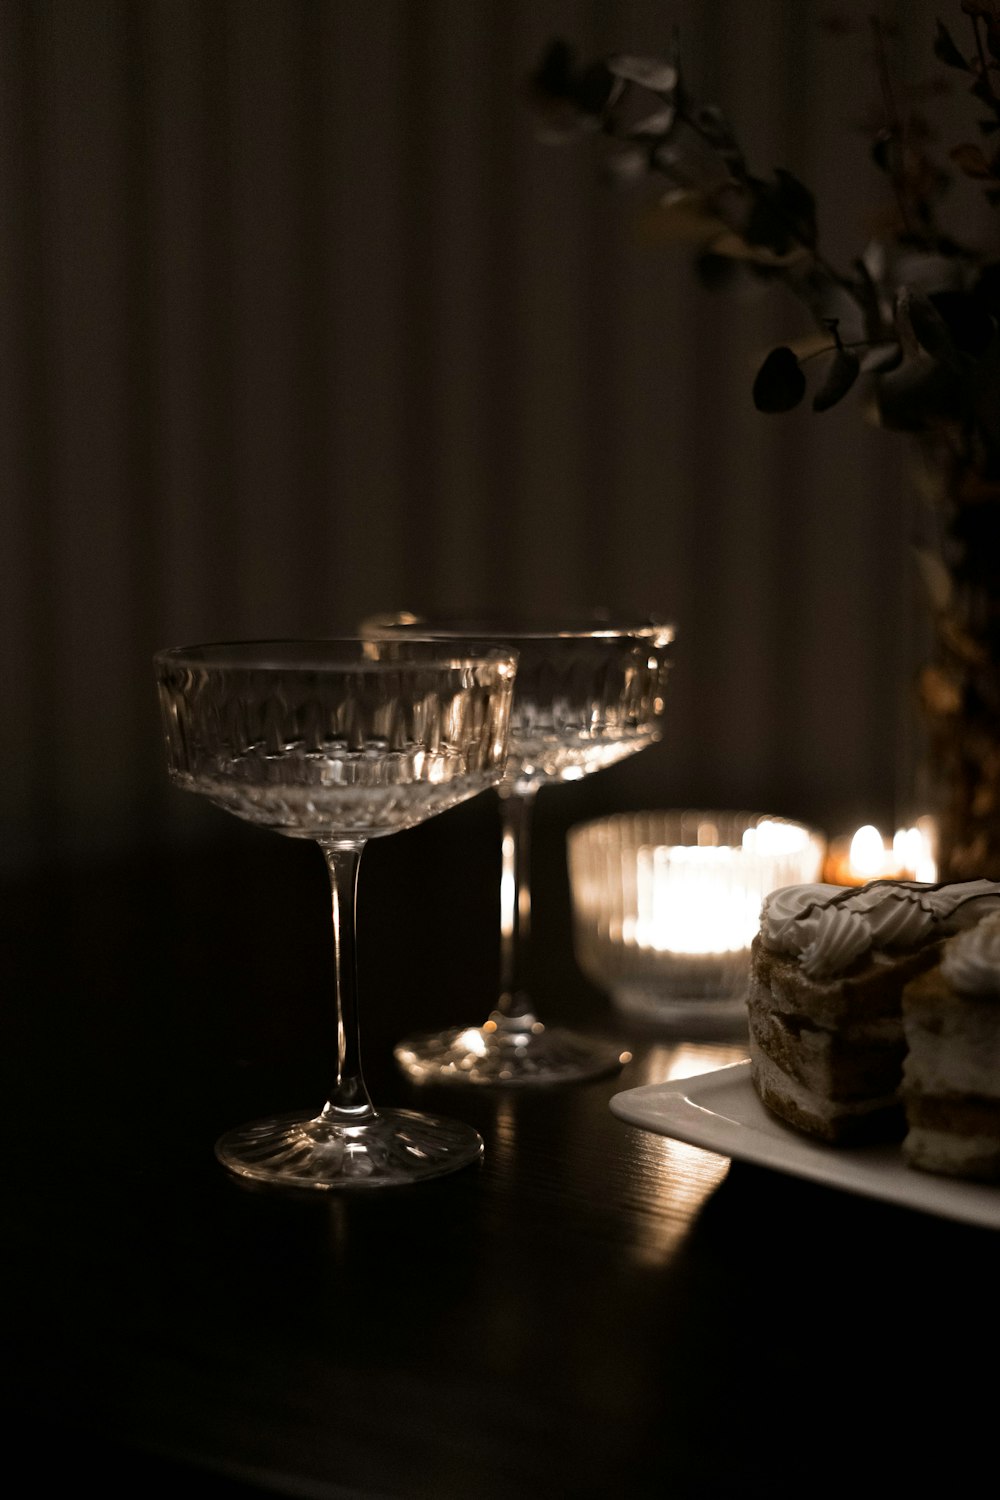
(299, 319)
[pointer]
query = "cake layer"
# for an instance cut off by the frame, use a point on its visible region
(843, 1066)
(847, 1122)
(867, 993)
(976, 1157)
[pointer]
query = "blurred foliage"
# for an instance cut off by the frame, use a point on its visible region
(917, 313)
(912, 325)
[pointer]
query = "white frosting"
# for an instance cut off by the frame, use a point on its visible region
(839, 937)
(790, 915)
(971, 961)
(828, 927)
(962, 904)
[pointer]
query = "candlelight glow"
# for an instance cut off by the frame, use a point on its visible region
(914, 849)
(868, 856)
(693, 899)
(868, 852)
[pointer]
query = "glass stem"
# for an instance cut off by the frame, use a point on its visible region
(349, 1103)
(513, 1011)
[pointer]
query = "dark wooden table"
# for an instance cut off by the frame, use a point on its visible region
(594, 1311)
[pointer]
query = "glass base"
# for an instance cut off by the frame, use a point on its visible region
(490, 1055)
(394, 1149)
(698, 1017)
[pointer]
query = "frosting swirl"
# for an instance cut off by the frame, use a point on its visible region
(790, 915)
(829, 927)
(971, 960)
(839, 937)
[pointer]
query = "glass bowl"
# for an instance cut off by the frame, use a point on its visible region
(665, 905)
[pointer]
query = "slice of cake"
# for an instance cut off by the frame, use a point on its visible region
(951, 1073)
(827, 972)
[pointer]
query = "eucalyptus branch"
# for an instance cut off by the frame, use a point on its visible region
(743, 178)
(925, 296)
(928, 302)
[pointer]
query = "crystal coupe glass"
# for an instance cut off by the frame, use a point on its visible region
(339, 741)
(588, 694)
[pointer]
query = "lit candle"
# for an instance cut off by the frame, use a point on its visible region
(909, 855)
(666, 905)
(695, 907)
(693, 899)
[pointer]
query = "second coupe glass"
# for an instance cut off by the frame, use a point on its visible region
(588, 694)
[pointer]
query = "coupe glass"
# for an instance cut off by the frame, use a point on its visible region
(588, 694)
(339, 741)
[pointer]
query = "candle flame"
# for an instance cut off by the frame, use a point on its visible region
(910, 855)
(868, 852)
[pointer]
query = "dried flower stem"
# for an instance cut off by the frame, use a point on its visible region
(895, 127)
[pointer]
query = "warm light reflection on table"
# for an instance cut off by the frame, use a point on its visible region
(683, 1176)
(687, 1059)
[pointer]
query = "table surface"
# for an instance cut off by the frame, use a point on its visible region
(595, 1310)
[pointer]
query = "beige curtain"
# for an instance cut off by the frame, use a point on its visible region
(299, 320)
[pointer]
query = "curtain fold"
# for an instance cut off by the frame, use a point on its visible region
(299, 319)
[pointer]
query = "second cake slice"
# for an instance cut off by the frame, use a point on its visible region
(828, 968)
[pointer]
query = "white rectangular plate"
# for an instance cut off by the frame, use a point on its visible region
(720, 1111)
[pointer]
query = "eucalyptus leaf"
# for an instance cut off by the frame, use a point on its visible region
(595, 89)
(678, 217)
(797, 202)
(931, 330)
(557, 81)
(782, 215)
(882, 152)
(649, 72)
(945, 49)
(935, 578)
(972, 327)
(971, 160)
(993, 36)
(660, 123)
(869, 299)
(780, 383)
(552, 77)
(739, 248)
(714, 128)
(627, 165)
(765, 225)
(842, 372)
(919, 391)
(713, 125)
(983, 88)
(880, 358)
